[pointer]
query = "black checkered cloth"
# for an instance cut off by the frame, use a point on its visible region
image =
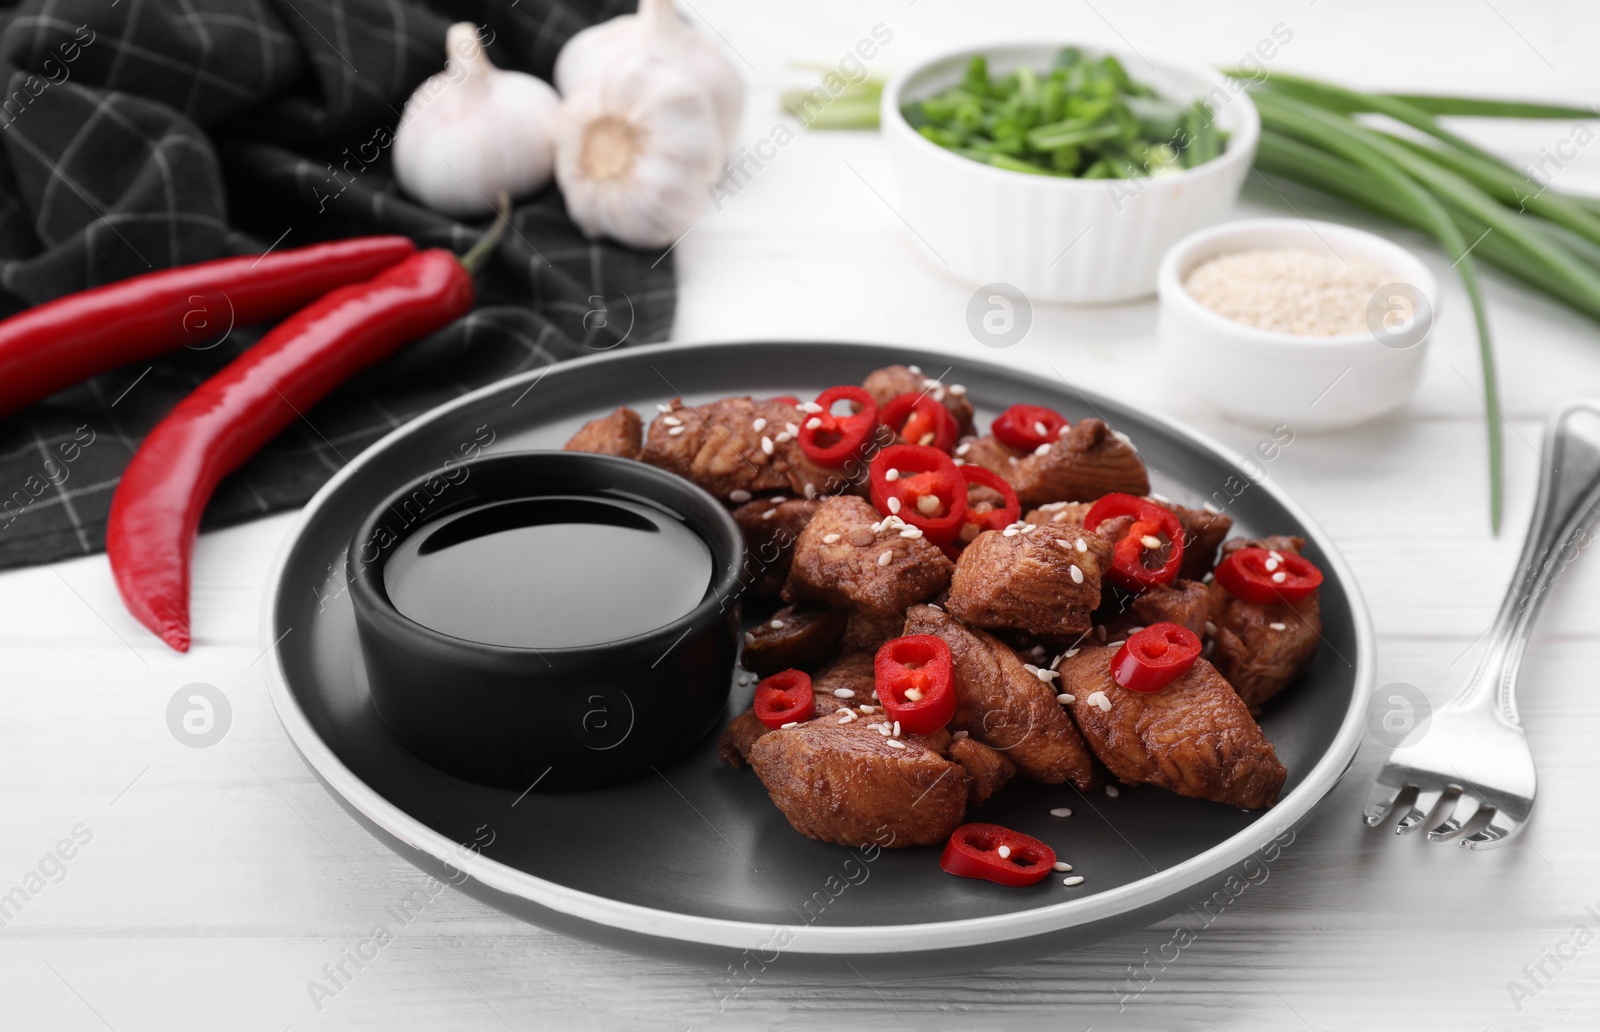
(140, 134)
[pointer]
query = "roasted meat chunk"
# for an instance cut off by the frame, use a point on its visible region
(1183, 602)
(1088, 461)
(1030, 578)
(890, 382)
(617, 434)
(1261, 648)
(832, 689)
(794, 637)
(868, 629)
(841, 560)
(1195, 736)
(735, 448)
(1203, 531)
(988, 768)
(771, 526)
(842, 780)
(1005, 705)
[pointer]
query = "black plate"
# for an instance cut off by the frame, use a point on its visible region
(695, 854)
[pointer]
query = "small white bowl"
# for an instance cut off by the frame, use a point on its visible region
(1308, 383)
(1080, 241)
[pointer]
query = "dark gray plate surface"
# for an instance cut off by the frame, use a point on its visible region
(697, 853)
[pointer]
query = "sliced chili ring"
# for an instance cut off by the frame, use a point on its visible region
(975, 521)
(1154, 657)
(918, 419)
(831, 440)
(995, 853)
(1028, 426)
(785, 698)
(1265, 576)
(1150, 522)
(913, 677)
(922, 486)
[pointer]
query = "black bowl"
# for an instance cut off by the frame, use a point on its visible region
(552, 718)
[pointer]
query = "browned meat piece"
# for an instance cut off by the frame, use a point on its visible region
(795, 636)
(1033, 579)
(840, 561)
(1261, 648)
(1195, 736)
(771, 526)
(988, 768)
(1002, 704)
(867, 629)
(724, 447)
(892, 381)
(1063, 516)
(1090, 461)
(1203, 531)
(616, 434)
(846, 783)
(1281, 542)
(843, 675)
(1183, 602)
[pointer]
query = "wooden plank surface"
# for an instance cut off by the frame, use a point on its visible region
(215, 884)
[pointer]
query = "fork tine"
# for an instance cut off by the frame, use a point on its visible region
(1425, 813)
(1385, 800)
(1461, 817)
(1493, 835)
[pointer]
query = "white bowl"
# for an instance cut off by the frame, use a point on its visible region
(1308, 383)
(1081, 241)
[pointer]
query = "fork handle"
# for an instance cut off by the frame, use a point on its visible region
(1565, 510)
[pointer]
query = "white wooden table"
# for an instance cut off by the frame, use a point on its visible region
(216, 883)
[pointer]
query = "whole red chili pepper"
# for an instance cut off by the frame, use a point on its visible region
(156, 509)
(995, 853)
(62, 342)
(1155, 656)
(1265, 576)
(785, 698)
(914, 678)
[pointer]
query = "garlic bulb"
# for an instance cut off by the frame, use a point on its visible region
(658, 32)
(635, 148)
(474, 131)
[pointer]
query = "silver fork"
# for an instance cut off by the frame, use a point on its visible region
(1470, 778)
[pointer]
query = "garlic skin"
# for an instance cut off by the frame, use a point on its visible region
(658, 32)
(473, 131)
(635, 148)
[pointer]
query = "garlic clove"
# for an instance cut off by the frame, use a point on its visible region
(635, 150)
(656, 31)
(473, 131)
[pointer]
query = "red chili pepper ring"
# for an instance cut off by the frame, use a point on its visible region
(914, 680)
(1265, 576)
(995, 853)
(785, 698)
(1154, 657)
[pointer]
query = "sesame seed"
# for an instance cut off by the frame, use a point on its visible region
(867, 708)
(1150, 541)
(792, 723)
(1040, 429)
(1271, 564)
(937, 609)
(749, 638)
(894, 504)
(962, 449)
(813, 423)
(958, 736)
(766, 445)
(1066, 699)
(1059, 517)
(1114, 644)
(1070, 653)
(811, 407)
(958, 389)
(846, 716)
(811, 489)
(663, 408)
(915, 369)
(1081, 545)
(1061, 811)
(739, 495)
(672, 420)
(1278, 626)
(1279, 577)
(1077, 574)
(675, 431)
(776, 625)
(1099, 699)
(784, 438)
(884, 730)
(791, 429)
(1113, 791)
(1043, 449)
(914, 694)
(1009, 532)
(1065, 431)
(897, 729)
(1134, 630)
(886, 558)
(1004, 852)
(759, 424)
(770, 513)
(1076, 879)
(1211, 628)
(1275, 554)
(1156, 496)
(928, 504)
(830, 539)
(1063, 866)
(1029, 528)
(843, 693)
(891, 475)
(911, 532)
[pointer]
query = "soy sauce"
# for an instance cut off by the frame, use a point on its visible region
(550, 572)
